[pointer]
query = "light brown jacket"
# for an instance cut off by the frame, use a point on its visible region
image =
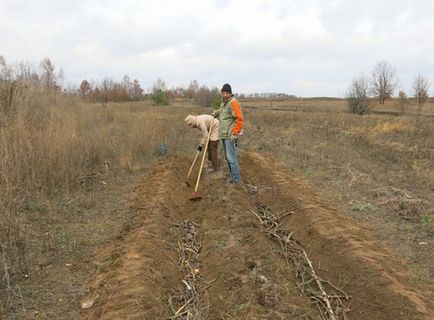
(204, 122)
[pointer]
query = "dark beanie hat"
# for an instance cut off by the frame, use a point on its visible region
(227, 88)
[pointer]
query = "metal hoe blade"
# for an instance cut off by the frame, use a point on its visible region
(195, 196)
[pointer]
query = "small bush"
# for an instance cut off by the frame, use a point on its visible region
(427, 219)
(357, 96)
(159, 98)
(358, 105)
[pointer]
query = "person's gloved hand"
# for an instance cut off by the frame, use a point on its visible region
(215, 114)
(200, 148)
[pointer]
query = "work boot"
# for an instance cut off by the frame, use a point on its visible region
(234, 185)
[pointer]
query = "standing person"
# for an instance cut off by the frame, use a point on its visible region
(231, 126)
(204, 123)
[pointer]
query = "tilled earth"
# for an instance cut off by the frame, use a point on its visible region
(223, 257)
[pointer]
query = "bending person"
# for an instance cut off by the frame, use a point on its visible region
(204, 123)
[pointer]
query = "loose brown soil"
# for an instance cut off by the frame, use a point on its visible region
(242, 275)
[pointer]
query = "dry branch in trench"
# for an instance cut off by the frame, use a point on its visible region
(327, 297)
(188, 301)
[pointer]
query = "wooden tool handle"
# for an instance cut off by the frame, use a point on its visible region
(194, 161)
(204, 155)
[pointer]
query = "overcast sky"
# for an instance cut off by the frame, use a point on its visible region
(300, 47)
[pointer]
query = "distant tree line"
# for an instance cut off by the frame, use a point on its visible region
(16, 79)
(13, 78)
(380, 86)
(109, 90)
(265, 95)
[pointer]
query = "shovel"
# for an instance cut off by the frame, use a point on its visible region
(191, 168)
(195, 196)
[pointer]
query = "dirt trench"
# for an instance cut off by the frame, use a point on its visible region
(234, 268)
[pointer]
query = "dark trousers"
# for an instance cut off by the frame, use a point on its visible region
(212, 153)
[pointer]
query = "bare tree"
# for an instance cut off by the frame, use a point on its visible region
(126, 82)
(27, 73)
(48, 76)
(5, 72)
(206, 97)
(60, 78)
(159, 85)
(85, 89)
(10, 89)
(404, 102)
(136, 91)
(107, 85)
(420, 87)
(192, 89)
(384, 81)
(358, 95)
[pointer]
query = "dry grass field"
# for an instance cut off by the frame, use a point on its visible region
(77, 181)
(378, 167)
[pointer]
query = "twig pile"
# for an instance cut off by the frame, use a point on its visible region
(186, 303)
(330, 304)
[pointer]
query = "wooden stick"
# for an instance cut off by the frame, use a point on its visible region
(203, 158)
(320, 286)
(180, 309)
(192, 165)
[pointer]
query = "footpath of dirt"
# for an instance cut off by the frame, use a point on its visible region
(236, 270)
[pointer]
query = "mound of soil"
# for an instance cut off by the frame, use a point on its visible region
(227, 266)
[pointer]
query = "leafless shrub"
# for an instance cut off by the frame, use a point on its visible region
(206, 97)
(357, 96)
(9, 90)
(135, 91)
(85, 89)
(404, 102)
(192, 89)
(420, 88)
(9, 93)
(48, 76)
(106, 87)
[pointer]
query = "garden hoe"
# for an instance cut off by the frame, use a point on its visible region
(195, 196)
(191, 168)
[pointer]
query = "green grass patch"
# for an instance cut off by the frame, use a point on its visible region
(427, 219)
(363, 207)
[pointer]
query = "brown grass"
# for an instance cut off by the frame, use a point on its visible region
(380, 162)
(338, 105)
(56, 147)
